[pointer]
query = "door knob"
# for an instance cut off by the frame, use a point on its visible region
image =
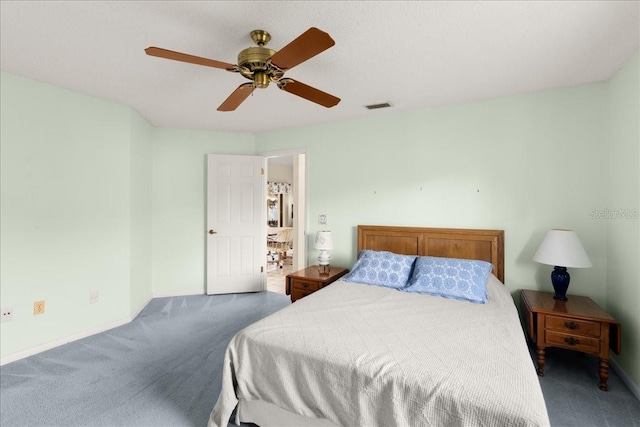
(212, 232)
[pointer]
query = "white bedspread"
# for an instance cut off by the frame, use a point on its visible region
(361, 355)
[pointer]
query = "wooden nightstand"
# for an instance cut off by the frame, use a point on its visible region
(307, 281)
(577, 324)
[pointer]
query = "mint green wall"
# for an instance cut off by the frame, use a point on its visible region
(179, 204)
(65, 211)
(623, 190)
(524, 164)
(95, 198)
(141, 179)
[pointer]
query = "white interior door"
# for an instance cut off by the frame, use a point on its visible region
(236, 223)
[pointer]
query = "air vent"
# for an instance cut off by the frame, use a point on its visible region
(376, 106)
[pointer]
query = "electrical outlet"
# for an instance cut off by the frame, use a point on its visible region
(322, 219)
(7, 314)
(38, 307)
(93, 297)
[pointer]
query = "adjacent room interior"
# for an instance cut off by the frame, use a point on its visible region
(280, 221)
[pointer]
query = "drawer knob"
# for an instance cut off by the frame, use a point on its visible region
(572, 341)
(305, 284)
(571, 325)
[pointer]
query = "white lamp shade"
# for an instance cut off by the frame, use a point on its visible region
(323, 241)
(562, 248)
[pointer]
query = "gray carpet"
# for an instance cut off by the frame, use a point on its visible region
(164, 369)
(570, 389)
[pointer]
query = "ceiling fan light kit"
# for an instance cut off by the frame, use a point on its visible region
(262, 66)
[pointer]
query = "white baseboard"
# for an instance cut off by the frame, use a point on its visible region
(626, 378)
(92, 331)
(56, 343)
(75, 337)
(177, 294)
(136, 313)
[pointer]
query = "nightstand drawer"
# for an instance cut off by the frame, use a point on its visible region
(297, 293)
(304, 285)
(307, 281)
(573, 342)
(573, 326)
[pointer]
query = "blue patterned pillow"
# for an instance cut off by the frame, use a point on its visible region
(451, 278)
(381, 269)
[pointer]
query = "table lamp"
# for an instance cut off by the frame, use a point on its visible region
(325, 244)
(562, 249)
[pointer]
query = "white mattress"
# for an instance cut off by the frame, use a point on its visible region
(356, 354)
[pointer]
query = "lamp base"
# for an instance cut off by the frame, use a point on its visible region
(324, 269)
(323, 260)
(560, 279)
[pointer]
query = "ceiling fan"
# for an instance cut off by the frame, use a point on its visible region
(262, 66)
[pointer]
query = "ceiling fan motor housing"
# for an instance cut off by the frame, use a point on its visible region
(255, 58)
(254, 64)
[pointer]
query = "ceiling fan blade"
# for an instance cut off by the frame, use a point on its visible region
(309, 93)
(183, 57)
(237, 97)
(306, 46)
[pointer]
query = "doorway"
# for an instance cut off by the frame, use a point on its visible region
(285, 212)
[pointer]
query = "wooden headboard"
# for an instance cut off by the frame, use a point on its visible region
(486, 245)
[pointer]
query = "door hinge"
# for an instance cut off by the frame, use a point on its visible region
(261, 269)
(261, 171)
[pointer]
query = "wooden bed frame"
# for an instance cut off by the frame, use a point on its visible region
(486, 245)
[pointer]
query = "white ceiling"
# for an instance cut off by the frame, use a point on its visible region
(410, 54)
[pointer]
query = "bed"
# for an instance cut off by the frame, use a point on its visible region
(354, 354)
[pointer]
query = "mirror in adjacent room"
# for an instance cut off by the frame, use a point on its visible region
(273, 212)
